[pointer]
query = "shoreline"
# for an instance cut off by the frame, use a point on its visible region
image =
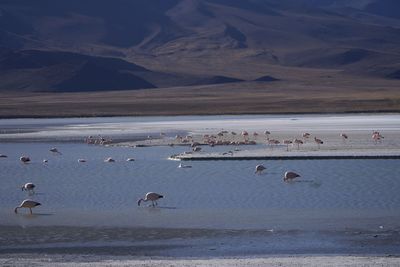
(144, 115)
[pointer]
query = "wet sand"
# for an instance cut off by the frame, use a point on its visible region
(84, 261)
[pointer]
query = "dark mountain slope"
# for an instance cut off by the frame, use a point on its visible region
(186, 42)
(67, 72)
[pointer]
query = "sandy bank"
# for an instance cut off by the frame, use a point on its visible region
(20, 260)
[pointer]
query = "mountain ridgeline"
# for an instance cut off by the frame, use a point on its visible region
(104, 45)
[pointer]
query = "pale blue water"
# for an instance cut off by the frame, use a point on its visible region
(211, 194)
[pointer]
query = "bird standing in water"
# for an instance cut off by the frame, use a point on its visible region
(151, 196)
(27, 203)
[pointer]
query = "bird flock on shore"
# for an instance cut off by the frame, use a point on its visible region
(211, 140)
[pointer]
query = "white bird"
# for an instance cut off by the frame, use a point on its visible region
(184, 166)
(109, 160)
(151, 196)
(259, 168)
(3, 156)
(28, 187)
(130, 159)
(45, 161)
(290, 176)
(81, 160)
(27, 203)
(24, 159)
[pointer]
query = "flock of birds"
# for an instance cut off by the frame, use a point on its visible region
(152, 196)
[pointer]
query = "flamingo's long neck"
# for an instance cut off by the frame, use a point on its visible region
(140, 200)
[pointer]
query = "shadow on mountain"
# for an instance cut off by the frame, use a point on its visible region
(216, 80)
(266, 79)
(70, 72)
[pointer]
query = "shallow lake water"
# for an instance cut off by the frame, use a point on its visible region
(330, 195)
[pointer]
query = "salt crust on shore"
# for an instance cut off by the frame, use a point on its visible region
(20, 260)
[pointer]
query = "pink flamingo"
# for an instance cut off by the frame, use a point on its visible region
(318, 141)
(298, 142)
(306, 136)
(287, 143)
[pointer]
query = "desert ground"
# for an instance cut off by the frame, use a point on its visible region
(320, 95)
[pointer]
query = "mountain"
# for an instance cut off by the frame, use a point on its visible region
(102, 45)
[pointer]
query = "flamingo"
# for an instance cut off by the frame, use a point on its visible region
(81, 160)
(306, 136)
(3, 156)
(267, 133)
(24, 159)
(377, 137)
(153, 197)
(45, 161)
(290, 176)
(196, 149)
(184, 166)
(344, 137)
(259, 169)
(245, 135)
(130, 159)
(27, 203)
(273, 142)
(109, 160)
(318, 141)
(298, 142)
(28, 187)
(287, 143)
(55, 150)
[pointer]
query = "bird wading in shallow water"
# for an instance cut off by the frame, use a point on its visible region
(24, 159)
(290, 176)
(150, 196)
(259, 169)
(27, 203)
(28, 187)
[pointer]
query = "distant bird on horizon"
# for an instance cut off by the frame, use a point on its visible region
(81, 160)
(45, 161)
(287, 142)
(290, 176)
(27, 203)
(151, 196)
(3, 156)
(24, 159)
(259, 169)
(318, 141)
(306, 136)
(130, 159)
(377, 137)
(29, 187)
(298, 142)
(344, 137)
